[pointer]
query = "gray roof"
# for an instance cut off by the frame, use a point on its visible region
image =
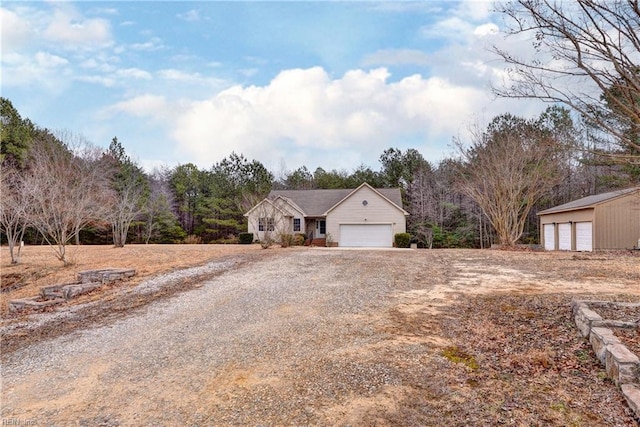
(589, 201)
(317, 202)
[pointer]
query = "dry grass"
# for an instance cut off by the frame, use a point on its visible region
(510, 360)
(39, 267)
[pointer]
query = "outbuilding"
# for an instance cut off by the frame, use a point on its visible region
(607, 221)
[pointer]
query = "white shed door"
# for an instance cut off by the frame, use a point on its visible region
(584, 236)
(366, 235)
(564, 236)
(549, 237)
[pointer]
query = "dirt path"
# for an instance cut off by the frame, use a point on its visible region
(333, 337)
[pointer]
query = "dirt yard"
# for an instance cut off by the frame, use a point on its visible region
(39, 267)
(315, 336)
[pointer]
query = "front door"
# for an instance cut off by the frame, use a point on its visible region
(321, 228)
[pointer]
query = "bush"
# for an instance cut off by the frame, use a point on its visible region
(286, 240)
(402, 240)
(266, 242)
(245, 238)
(192, 239)
(299, 239)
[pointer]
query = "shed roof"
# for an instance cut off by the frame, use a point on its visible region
(589, 201)
(317, 202)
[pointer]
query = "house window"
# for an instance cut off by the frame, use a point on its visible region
(296, 224)
(266, 223)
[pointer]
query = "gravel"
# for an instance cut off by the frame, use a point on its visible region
(270, 322)
(311, 336)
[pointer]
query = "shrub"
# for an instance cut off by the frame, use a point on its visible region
(245, 238)
(286, 240)
(299, 239)
(266, 242)
(192, 239)
(402, 240)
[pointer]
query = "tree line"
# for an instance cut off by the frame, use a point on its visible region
(59, 189)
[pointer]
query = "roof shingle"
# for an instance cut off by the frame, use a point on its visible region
(589, 201)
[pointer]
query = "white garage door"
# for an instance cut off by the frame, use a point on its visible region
(564, 237)
(584, 236)
(549, 237)
(365, 235)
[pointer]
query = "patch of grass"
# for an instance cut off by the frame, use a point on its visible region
(583, 355)
(456, 355)
(558, 406)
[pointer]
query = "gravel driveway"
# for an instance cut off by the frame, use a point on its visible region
(273, 342)
(317, 337)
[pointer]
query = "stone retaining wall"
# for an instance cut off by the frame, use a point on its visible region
(621, 365)
(57, 294)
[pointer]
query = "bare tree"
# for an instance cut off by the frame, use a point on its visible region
(587, 57)
(13, 212)
(506, 170)
(127, 205)
(65, 187)
(269, 220)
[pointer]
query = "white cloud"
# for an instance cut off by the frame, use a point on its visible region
(47, 60)
(475, 10)
(304, 109)
(486, 29)
(16, 31)
(101, 80)
(153, 106)
(134, 73)
(190, 16)
(452, 28)
(47, 71)
(194, 79)
(153, 44)
(74, 31)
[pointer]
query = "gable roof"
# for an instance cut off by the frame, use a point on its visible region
(318, 202)
(364, 184)
(270, 202)
(589, 201)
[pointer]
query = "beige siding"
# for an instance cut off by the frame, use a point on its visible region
(617, 223)
(264, 209)
(377, 211)
(583, 215)
(294, 213)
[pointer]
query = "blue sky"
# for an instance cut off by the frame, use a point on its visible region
(329, 84)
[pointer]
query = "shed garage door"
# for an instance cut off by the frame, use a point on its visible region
(564, 236)
(549, 237)
(584, 236)
(365, 235)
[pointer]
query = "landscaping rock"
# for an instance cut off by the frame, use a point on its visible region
(105, 275)
(34, 303)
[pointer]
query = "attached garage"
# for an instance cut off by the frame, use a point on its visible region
(366, 235)
(608, 221)
(584, 236)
